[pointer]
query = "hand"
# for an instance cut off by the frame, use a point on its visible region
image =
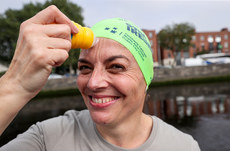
(43, 43)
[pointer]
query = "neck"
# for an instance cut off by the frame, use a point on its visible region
(131, 133)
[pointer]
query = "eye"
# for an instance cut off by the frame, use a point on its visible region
(115, 68)
(84, 69)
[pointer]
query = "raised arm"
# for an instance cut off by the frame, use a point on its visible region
(44, 41)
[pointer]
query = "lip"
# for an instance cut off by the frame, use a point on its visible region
(105, 101)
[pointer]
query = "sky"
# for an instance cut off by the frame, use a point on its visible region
(204, 15)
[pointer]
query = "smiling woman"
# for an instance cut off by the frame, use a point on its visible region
(113, 77)
(108, 75)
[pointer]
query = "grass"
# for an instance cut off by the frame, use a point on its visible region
(74, 92)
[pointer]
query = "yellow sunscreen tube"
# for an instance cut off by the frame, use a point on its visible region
(84, 39)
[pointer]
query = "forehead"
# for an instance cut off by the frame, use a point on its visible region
(106, 48)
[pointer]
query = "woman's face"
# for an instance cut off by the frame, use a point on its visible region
(111, 82)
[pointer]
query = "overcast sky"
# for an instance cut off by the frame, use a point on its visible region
(205, 15)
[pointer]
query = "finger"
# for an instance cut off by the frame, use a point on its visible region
(58, 31)
(58, 43)
(57, 57)
(52, 15)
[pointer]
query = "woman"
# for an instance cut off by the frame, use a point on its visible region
(113, 78)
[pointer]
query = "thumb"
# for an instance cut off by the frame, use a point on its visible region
(52, 15)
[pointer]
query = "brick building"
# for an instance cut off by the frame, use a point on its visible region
(211, 42)
(202, 42)
(152, 36)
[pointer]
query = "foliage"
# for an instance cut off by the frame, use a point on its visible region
(2, 73)
(10, 22)
(176, 37)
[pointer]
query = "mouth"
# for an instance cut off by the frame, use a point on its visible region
(102, 101)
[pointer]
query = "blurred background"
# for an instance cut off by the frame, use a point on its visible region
(190, 42)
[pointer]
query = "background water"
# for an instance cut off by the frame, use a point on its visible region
(200, 110)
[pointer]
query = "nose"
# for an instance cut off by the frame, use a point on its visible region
(97, 80)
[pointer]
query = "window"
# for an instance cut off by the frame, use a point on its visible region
(226, 45)
(202, 38)
(169, 55)
(194, 38)
(210, 39)
(202, 46)
(226, 37)
(210, 47)
(151, 42)
(218, 39)
(193, 46)
(150, 35)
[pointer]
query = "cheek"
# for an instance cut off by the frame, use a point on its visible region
(128, 84)
(133, 90)
(81, 82)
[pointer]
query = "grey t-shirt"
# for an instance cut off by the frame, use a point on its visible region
(75, 131)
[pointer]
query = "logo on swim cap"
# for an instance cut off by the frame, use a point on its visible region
(133, 38)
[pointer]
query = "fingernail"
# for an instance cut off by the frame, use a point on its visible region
(75, 29)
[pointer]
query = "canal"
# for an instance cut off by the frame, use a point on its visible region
(200, 110)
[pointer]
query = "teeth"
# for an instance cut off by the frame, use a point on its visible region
(102, 100)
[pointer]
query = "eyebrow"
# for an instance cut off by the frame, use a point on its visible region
(83, 61)
(110, 59)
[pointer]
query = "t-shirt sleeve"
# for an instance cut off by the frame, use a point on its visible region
(31, 140)
(170, 138)
(50, 134)
(195, 146)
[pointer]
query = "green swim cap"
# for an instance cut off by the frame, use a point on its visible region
(130, 36)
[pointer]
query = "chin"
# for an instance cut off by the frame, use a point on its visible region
(100, 117)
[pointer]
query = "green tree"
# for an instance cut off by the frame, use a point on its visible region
(176, 37)
(10, 22)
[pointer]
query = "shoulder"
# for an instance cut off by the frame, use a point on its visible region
(54, 133)
(167, 129)
(174, 138)
(66, 130)
(65, 125)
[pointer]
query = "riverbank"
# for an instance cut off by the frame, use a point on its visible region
(162, 76)
(192, 81)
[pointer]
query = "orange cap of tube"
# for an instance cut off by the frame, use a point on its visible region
(84, 39)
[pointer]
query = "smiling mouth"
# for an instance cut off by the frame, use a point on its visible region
(103, 100)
